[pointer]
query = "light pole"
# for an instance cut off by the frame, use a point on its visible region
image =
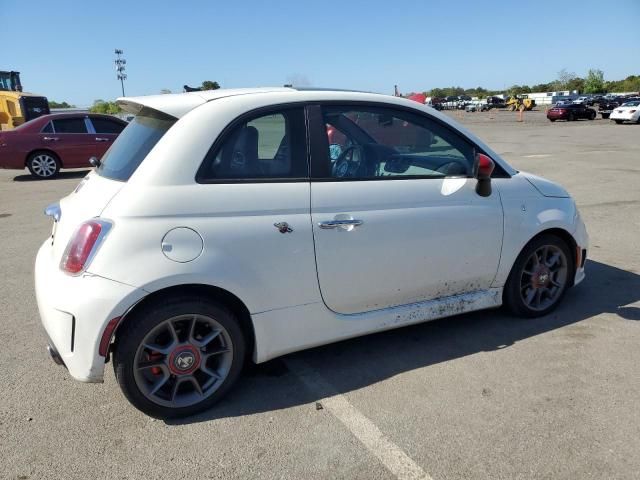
(120, 63)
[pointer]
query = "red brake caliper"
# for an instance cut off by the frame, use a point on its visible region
(152, 358)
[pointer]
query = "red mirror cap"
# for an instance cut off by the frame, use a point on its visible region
(485, 166)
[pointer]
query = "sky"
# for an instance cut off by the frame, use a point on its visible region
(65, 49)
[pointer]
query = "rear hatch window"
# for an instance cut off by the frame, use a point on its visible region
(134, 143)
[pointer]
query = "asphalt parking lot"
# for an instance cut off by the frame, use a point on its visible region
(478, 396)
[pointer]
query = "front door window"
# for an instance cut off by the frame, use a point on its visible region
(376, 143)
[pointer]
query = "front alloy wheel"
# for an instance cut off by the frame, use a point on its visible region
(539, 277)
(543, 277)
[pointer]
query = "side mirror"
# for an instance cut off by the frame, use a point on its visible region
(482, 170)
(94, 162)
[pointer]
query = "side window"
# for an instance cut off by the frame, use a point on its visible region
(104, 125)
(48, 128)
(367, 143)
(70, 125)
(267, 146)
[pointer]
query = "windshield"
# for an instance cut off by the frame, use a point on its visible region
(134, 143)
(632, 104)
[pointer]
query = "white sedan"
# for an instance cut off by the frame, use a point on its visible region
(627, 112)
(229, 226)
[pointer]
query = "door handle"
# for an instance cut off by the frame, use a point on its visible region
(50, 139)
(101, 139)
(340, 223)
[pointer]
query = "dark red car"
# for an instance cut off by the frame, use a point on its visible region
(63, 140)
(572, 111)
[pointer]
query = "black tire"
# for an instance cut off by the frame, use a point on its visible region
(592, 116)
(570, 118)
(148, 318)
(552, 119)
(618, 121)
(512, 296)
(43, 164)
(605, 115)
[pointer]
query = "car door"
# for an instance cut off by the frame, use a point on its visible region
(254, 197)
(396, 218)
(105, 131)
(70, 140)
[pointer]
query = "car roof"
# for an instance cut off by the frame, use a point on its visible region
(178, 104)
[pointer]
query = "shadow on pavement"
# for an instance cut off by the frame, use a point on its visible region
(357, 363)
(60, 176)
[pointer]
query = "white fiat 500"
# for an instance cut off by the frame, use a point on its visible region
(235, 225)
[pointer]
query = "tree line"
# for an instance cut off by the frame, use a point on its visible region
(593, 82)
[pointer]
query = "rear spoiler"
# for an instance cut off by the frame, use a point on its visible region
(174, 106)
(178, 104)
(130, 107)
(139, 109)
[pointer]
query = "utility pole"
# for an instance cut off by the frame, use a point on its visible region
(120, 63)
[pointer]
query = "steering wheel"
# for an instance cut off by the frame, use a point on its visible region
(348, 163)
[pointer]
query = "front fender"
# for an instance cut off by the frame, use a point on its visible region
(527, 214)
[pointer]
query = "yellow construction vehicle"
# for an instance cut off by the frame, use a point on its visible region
(520, 102)
(16, 106)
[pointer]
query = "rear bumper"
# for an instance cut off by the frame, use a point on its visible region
(75, 311)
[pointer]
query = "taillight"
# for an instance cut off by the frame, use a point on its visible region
(83, 245)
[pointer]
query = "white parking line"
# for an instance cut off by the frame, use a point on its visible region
(391, 456)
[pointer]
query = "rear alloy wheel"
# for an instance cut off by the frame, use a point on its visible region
(43, 165)
(178, 358)
(539, 278)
